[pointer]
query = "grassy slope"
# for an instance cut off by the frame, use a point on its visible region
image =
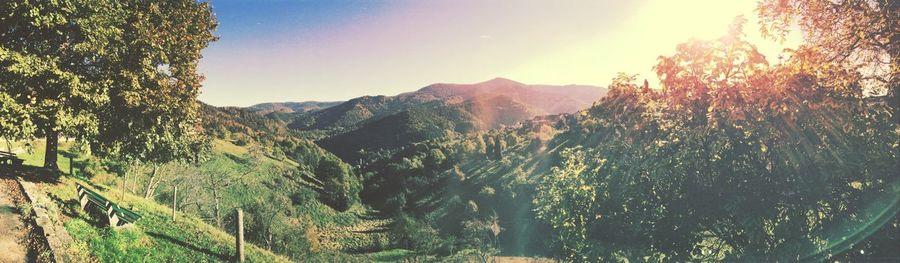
(156, 239)
(153, 239)
(347, 231)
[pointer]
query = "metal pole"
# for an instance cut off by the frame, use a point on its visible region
(240, 235)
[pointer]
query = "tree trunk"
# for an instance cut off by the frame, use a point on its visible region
(8, 144)
(893, 89)
(217, 211)
(50, 155)
(124, 183)
(150, 185)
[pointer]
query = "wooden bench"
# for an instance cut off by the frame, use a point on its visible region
(117, 216)
(10, 159)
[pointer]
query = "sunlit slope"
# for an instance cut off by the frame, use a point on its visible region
(451, 180)
(154, 238)
(325, 233)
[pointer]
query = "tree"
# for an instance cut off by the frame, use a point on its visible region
(566, 199)
(341, 187)
(732, 159)
(480, 145)
(15, 122)
(499, 147)
(490, 148)
(152, 112)
(435, 158)
(480, 237)
(415, 235)
(220, 173)
(858, 35)
(48, 52)
(266, 219)
(119, 74)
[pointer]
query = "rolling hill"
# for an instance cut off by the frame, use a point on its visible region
(374, 123)
(541, 99)
(292, 107)
(536, 100)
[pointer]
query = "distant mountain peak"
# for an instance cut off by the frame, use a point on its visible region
(502, 81)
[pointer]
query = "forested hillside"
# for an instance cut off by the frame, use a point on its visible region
(770, 161)
(292, 107)
(531, 100)
(731, 156)
(634, 175)
(381, 123)
(289, 186)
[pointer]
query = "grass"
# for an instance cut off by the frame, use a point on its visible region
(393, 255)
(228, 147)
(152, 239)
(33, 153)
(156, 239)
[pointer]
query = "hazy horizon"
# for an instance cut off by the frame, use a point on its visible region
(279, 51)
(407, 91)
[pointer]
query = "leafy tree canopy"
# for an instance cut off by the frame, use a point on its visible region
(733, 159)
(119, 74)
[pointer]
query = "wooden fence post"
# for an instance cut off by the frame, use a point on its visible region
(240, 235)
(71, 166)
(124, 183)
(174, 202)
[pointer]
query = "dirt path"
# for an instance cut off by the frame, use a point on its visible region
(12, 227)
(20, 240)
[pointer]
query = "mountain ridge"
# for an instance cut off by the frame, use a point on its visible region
(539, 99)
(291, 107)
(374, 123)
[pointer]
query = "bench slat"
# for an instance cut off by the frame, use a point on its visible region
(11, 158)
(121, 214)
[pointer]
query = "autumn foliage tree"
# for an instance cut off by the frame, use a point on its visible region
(732, 159)
(856, 35)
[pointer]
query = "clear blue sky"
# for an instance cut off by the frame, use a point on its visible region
(298, 50)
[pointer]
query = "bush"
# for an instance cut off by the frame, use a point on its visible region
(341, 187)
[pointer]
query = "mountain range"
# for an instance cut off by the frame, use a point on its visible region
(394, 154)
(493, 103)
(372, 123)
(292, 107)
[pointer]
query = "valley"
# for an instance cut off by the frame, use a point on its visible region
(774, 137)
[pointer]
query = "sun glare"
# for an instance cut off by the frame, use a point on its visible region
(678, 20)
(450, 130)
(652, 30)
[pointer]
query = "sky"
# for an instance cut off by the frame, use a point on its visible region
(329, 50)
